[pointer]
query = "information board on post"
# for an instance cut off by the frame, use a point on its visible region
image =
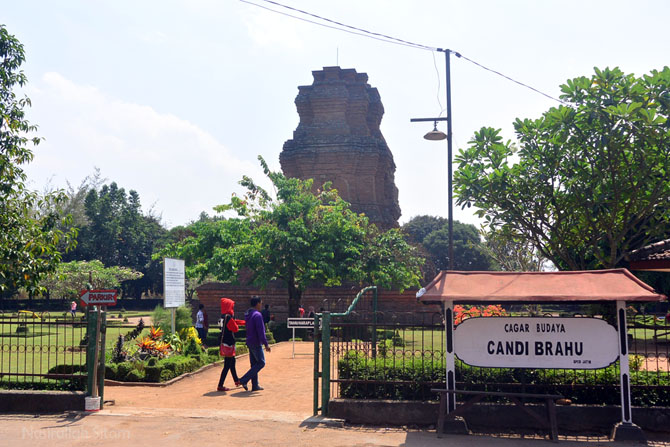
(536, 342)
(299, 323)
(174, 283)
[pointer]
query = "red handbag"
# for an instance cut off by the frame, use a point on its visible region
(226, 350)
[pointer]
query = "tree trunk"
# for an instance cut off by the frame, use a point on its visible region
(294, 300)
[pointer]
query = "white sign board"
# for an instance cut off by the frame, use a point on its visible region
(174, 283)
(297, 323)
(528, 342)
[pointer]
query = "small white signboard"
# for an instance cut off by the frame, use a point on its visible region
(528, 342)
(174, 283)
(297, 323)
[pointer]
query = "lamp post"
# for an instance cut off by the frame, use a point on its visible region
(436, 135)
(448, 306)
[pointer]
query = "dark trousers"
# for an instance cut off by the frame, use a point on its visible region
(257, 360)
(228, 365)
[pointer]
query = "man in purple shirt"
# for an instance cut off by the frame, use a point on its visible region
(255, 341)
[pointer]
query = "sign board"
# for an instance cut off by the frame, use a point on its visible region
(529, 342)
(98, 297)
(174, 283)
(298, 323)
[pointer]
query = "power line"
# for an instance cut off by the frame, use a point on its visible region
(363, 33)
(339, 26)
(378, 35)
(508, 78)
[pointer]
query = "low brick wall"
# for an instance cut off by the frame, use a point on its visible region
(485, 417)
(31, 402)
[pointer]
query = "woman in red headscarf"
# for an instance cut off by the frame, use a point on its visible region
(227, 350)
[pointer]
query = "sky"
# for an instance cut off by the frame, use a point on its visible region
(176, 99)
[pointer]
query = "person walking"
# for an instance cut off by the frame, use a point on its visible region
(200, 323)
(266, 314)
(227, 350)
(255, 341)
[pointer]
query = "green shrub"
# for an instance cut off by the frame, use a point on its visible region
(282, 333)
(163, 318)
(110, 371)
(213, 351)
(166, 375)
(213, 338)
(134, 375)
(241, 348)
(153, 373)
(67, 369)
(152, 361)
(592, 387)
(270, 337)
(123, 369)
(192, 347)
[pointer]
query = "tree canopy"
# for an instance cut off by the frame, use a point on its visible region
(301, 238)
(70, 278)
(589, 181)
(116, 232)
(432, 234)
(29, 238)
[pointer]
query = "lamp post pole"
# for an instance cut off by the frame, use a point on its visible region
(449, 156)
(437, 135)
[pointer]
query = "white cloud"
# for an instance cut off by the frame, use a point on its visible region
(172, 163)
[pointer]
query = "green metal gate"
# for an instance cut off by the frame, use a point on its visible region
(322, 333)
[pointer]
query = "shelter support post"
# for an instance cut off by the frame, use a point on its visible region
(625, 430)
(449, 353)
(325, 363)
(317, 373)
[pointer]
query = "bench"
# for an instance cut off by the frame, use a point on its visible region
(549, 401)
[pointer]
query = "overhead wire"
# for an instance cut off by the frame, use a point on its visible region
(339, 26)
(363, 33)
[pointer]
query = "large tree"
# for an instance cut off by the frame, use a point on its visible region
(431, 234)
(589, 181)
(299, 237)
(118, 233)
(29, 238)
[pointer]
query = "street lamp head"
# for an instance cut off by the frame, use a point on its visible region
(435, 135)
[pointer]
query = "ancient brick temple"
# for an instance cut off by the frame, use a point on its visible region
(338, 140)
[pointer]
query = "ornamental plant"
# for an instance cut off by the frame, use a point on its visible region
(464, 312)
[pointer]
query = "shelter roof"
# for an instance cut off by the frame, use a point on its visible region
(498, 287)
(653, 257)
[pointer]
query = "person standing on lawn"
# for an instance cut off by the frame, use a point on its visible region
(255, 341)
(227, 349)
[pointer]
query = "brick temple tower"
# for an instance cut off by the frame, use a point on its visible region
(338, 140)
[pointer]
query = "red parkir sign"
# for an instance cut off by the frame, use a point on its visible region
(98, 297)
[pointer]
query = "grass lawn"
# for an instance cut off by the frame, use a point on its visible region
(48, 343)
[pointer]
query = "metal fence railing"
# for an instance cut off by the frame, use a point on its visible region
(39, 349)
(405, 358)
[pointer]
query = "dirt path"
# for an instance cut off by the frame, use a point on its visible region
(288, 386)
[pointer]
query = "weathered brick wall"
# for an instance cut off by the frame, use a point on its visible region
(335, 299)
(338, 140)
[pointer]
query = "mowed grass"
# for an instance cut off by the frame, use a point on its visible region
(48, 342)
